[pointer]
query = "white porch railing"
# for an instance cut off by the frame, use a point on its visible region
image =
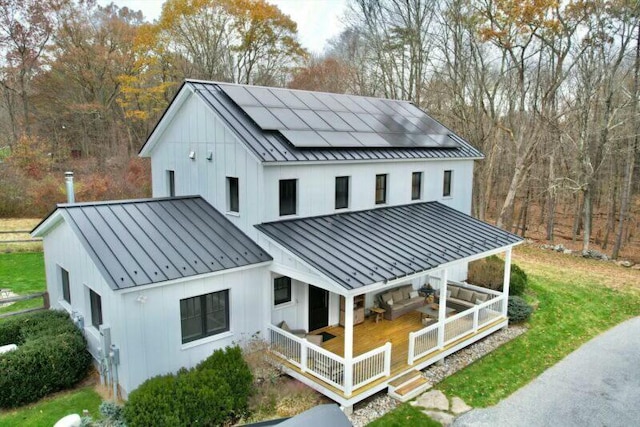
(328, 366)
(469, 321)
(372, 365)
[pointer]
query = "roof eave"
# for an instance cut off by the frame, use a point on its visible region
(47, 224)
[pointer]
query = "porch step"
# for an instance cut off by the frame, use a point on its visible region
(408, 386)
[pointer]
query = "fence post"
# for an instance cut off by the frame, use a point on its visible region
(387, 359)
(303, 355)
(45, 300)
(476, 312)
(412, 348)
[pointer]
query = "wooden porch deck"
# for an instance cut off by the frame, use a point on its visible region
(370, 335)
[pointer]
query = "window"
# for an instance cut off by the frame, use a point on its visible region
(281, 290)
(96, 309)
(446, 188)
(342, 192)
(64, 281)
(204, 315)
(288, 190)
(416, 185)
(381, 189)
(233, 203)
(171, 183)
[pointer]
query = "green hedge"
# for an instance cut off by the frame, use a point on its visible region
(51, 356)
(489, 273)
(518, 310)
(215, 392)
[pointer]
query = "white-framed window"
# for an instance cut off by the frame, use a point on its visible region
(281, 290)
(96, 308)
(64, 284)
(171, 183)
(446, 183)
(204, 315)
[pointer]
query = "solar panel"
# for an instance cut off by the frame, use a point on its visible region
(322, 120)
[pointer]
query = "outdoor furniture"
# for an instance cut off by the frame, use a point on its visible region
(433, 313)
(462, 298)
(403, 301)
(378, 312)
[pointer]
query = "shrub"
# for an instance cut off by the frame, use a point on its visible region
(489, 273)
(518, 310)
(111, 416)
(213, 393)
(51, 356)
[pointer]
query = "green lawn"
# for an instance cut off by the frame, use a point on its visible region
(22, 273)
(570, 312)
(49, 410)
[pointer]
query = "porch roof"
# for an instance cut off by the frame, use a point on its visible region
(357, 249)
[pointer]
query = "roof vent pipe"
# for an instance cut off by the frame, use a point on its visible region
(68, 178)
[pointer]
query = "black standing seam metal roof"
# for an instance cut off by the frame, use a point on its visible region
(357, 249)
(139, 242)
(272, 146)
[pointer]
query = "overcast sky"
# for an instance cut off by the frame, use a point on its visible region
(318, 20)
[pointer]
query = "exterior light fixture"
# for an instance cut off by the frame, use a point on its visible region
(192, 155)
(209, 155)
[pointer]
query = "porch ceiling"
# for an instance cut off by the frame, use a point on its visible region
(358, 249)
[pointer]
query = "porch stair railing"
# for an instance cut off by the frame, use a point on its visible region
(425, 341)
(327, 366)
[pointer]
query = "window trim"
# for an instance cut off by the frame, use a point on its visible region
(65, 285)
(279, 303)
(385, 189)
(413, 185)
(230, 204)
(95, 297)
(294, 202)
(347, 200)
(447, 184)
(204, 333)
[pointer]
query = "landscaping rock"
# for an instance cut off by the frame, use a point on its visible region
(458, 406)
(559, 248)
(72, 420)
(636, 267)
(624, 263)
(432, 399)
(567, 252)
(593, 254)
(441, 417)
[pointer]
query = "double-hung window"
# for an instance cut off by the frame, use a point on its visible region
(281, 290)
(416, 185)
(204, 315)
(381, 189)
(342, 192)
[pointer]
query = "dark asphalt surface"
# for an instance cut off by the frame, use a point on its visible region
(596, 385)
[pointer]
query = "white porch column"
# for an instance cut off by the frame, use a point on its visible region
(507, 279)
(442, 309)
(348, 345)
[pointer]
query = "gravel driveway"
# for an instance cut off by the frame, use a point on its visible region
(596, 385)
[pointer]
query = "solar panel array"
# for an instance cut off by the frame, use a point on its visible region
(322, 120)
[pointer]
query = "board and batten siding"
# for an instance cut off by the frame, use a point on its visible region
(316, 185)
(62, 248)
(152, 315)
(195, 128)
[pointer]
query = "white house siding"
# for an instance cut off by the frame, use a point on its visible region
(196, 128)
(62, 248)
(316, 185)
(152, 343)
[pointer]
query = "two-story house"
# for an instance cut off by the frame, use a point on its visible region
(310, 219)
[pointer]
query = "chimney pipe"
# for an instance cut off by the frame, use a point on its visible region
(68, 178)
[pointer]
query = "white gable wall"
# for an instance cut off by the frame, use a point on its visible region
(153, 337)
(196, 128)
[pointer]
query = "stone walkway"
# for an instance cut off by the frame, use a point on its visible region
(439, 408)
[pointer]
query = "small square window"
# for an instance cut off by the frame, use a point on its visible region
(288, 197)
(381, 189)
(96, 309)
(416, 185)
(281, 290)
(446, 187)
(233, 200)
(342, 192)
(64, 281)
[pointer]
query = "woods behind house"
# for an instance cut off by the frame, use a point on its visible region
(548, 90)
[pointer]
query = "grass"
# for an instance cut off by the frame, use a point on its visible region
(22, 273)
(405, 415)
(577, 300)
(48, 411)
(18, 224)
